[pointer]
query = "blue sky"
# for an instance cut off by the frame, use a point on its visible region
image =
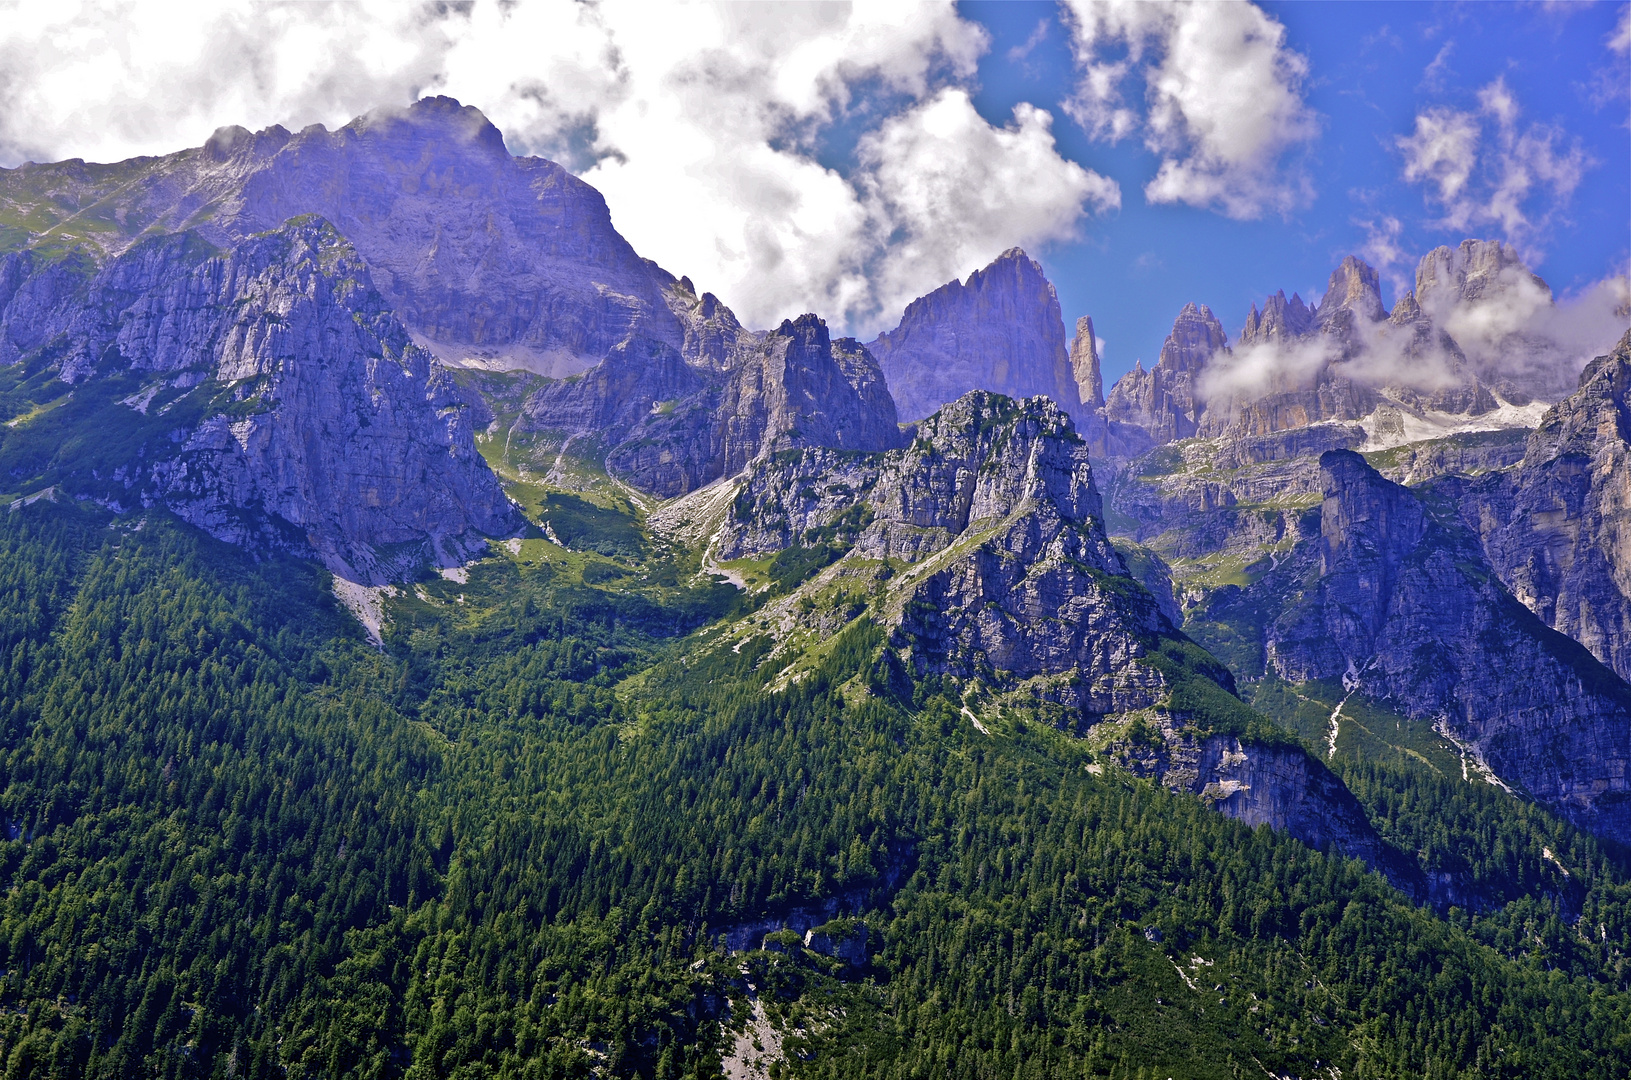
(1368, 77)
(844, 159)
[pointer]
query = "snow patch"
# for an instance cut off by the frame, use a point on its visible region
(1399, 425)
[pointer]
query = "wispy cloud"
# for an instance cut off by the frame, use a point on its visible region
(1222, 103)
(1485, 167)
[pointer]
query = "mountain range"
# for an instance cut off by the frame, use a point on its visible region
(558, 545)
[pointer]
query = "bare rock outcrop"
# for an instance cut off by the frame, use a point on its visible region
(1001, 331)
(1166, 401)
(1557, 527)
(1403, 608)
(671, 426)
(486, 257)
(300, 414)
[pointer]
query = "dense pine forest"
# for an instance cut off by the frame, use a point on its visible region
(519, 838)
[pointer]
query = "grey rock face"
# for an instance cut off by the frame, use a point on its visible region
(1353, 296)
(1289, 791)
(1473, 270)
(1005, 577)
(1557, 528)
(1338, 361)
(1166, 401)
(1000, 331)
(1403, 609)
(510, 261)
(1468, 455)
(1281, 321)
(1084, 363)
(1011, 575)
(673, 426)
(322, 426)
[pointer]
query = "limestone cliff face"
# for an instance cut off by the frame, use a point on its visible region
(1084, 364)
(1281, 321)
(1344, 360)
(1166, 400)
(1001, 331)
(501, 260)
(1471, 290)
(305, 418)
(981, 549)
(1557, 528)
(1289, 791)
(673, 426)
(1402, 608)
(1011, 575)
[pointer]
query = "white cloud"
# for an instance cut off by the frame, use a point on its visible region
(1223, 99)
(944, 180)
(1510, 332)
(1442, 150)
(700, 123)
(1383, 250)
(1482, 167)
(1515, 334)
(1253, 371)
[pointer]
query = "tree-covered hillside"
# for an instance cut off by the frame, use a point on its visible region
(522, 838)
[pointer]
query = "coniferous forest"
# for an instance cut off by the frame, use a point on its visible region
(240, 841)
(437, 642)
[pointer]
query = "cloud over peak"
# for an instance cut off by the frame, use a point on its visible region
(704, 125)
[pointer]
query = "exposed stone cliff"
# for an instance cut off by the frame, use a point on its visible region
(981, 549)
(1557, 528)
(488, 257)
(1001, 331)
(671, 427)
(1166, 400)
(1401, 607)
(302, 413)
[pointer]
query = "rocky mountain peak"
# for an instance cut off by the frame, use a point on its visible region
(1367, 523)
(1196, 337)
(1473, 270)
(1406, 310)
(1165, 401)
(283, 403)
(1084, 363)
(1281, 320)
(1354, 292)
(491, 260)
(673, 425)
(435, 119)
(1001, 330)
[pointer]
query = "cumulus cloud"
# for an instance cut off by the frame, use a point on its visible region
(1222, 99)
(702, 124)
(1484, 167)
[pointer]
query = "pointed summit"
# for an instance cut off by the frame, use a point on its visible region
(1084, 363)
(1001, 330)
(1165, 401)
(1281, 320)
